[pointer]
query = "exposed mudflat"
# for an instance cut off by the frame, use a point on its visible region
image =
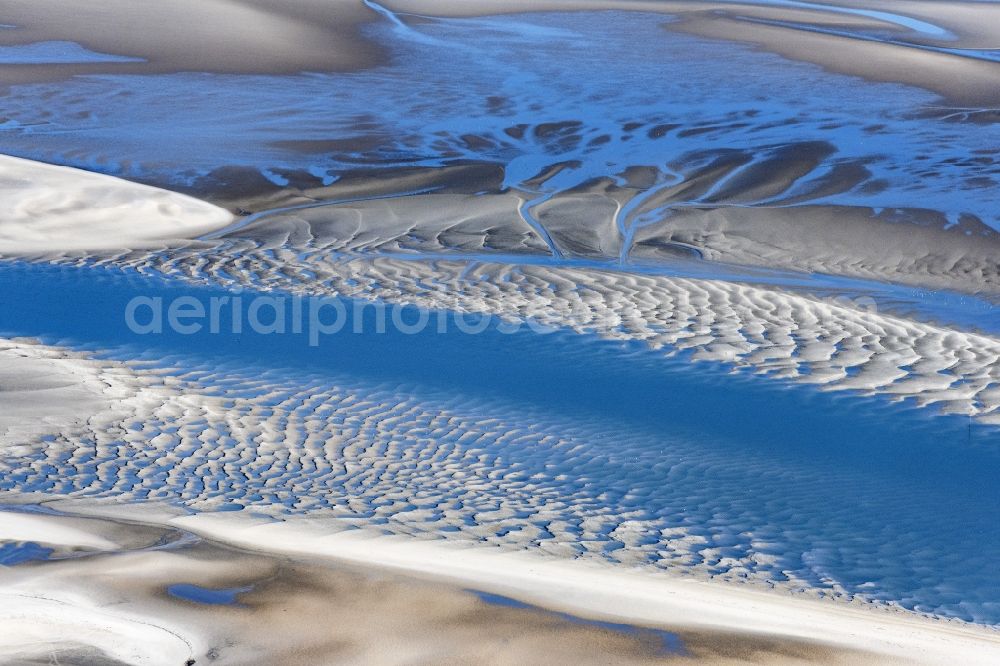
(643, 296)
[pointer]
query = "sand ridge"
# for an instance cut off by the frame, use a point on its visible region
(932, 45)
(59, 207)
(912, 247)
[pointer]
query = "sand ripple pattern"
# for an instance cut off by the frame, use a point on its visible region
(226, 438)
(834, 343)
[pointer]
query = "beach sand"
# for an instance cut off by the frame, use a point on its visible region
(215, 36)
(49, 207)
(324, 518)
(116, 591)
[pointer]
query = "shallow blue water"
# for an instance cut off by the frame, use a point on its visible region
(205, 595)
(881, 499)
(886, 500)
(54, 52)
(669, 643)
(12, 554)
(455, 89)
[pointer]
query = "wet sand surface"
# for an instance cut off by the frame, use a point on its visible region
(946, 47)
(559, 150)
(245, 36)
(203, 602)
(748, 251)
(632, 467)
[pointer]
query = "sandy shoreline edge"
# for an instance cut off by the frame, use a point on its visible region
(624, 595)
(587, 589)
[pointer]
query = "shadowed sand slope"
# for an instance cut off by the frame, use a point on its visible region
(913, 247)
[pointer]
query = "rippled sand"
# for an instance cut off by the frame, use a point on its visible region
(834, 342)
(217, 434)
(749, 250)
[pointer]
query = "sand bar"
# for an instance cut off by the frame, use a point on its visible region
(56, 209)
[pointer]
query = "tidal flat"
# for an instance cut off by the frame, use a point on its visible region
(499, 332)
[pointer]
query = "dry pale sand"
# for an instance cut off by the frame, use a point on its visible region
(48, 207)
(45, 390)
(361, 599)
(961, 80)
